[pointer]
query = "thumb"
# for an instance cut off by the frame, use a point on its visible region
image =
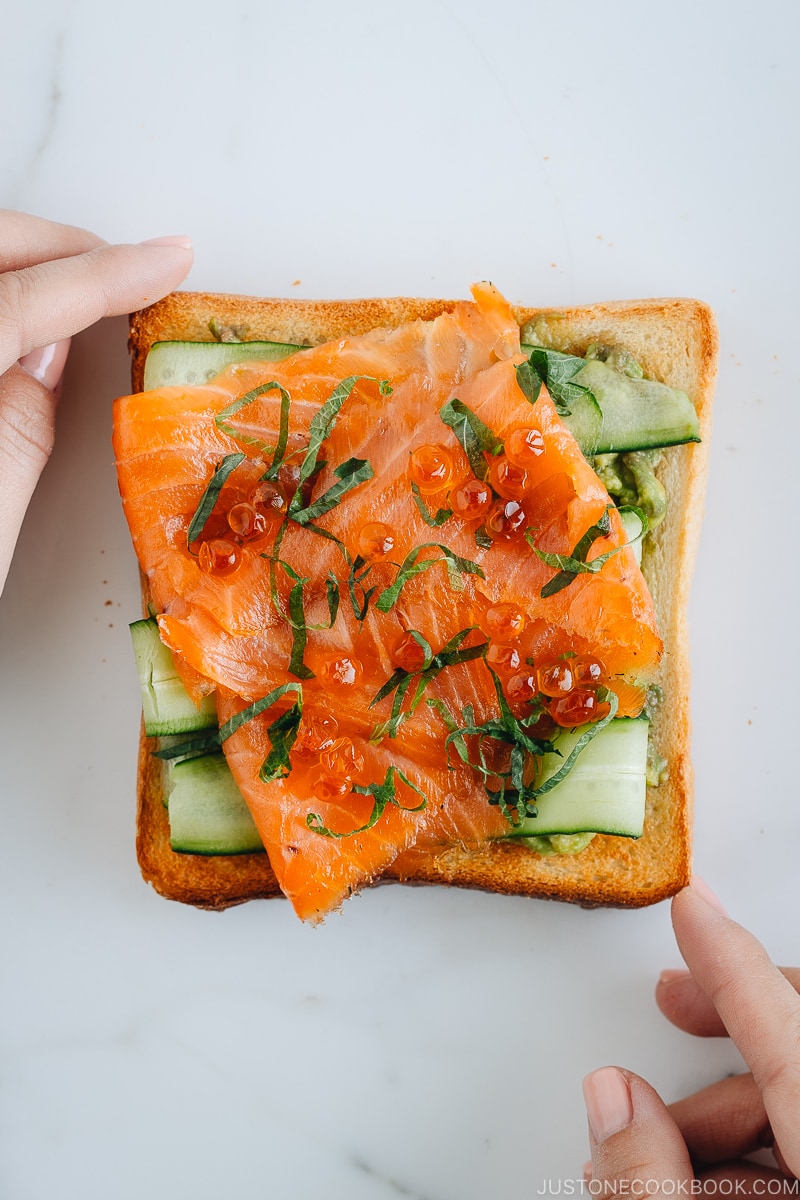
(633, 1138)
(28, 396)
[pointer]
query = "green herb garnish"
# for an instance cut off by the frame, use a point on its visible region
(350, 474)
(410, 567)
(210, 496)
(569, 566)
(557, 371)
(382, 793)
(221, 419)
(400, 681)
(434, 520)
(281, 733)
(476, 439)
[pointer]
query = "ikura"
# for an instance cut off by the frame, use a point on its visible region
(524, 446)
(471, 499)
(506, 521)
(342, 670)
(521, 686)
(557, 678)
(503, 622)
(269, 499)
(579, 707)
(408, 654)
(376, 541)
(342, 760)
(247, 522)
(218, 556)
(508, 479)
(317, 732)
(505, 660)
(588, 671)
(330, 787)
(432, 468)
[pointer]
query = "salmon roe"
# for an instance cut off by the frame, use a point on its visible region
(408, 654)
(218, 556)
(524, 446)
(247, 522)
(579, 707)
(588, 671)
(342, 760)
(471, 499)
(556, 679)
(503, 622)
(506, 521)
(318, 732)
(432, 468)
(376, 541)
(508, 479)
(342, 670)
(269, 499)
(521, 686)
(505, 660)
(330, 787)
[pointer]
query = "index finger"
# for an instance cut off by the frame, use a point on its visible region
(54, 300)
(758, 1006)
(26, 240)
(685, 1004)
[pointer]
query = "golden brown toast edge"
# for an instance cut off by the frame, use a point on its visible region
(674, 340)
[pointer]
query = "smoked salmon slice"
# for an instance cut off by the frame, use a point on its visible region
(392, 541)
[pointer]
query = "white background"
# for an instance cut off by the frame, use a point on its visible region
(425, 1043)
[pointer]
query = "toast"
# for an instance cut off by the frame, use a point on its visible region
(674, 341)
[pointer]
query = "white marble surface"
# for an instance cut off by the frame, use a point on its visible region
(430, 1043)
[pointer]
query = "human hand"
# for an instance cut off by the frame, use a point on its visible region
(643, 1147)
(56, 280)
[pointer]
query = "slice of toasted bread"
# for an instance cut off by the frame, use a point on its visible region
(675, 341)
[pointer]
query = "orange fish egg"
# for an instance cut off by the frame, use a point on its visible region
(342, 759)
(330, 787)
(247, 522)
(507, 478)
(505, 660)
(432, 468)
(588, 671)
(269, 499)
(556, 679)
(471, 499)
(376, 541)
(342, 670)
(220, 557)
(521, 686)
(579, 707)
(506, 521)
(524, 446)
(318, 732)
(504, 622)
(408, 654)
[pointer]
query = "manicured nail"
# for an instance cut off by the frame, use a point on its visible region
(588, 1171)
(177, 239)
(671, 974)
(47, 363)
(608, 1102)
(701, 889)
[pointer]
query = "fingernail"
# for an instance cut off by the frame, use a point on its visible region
(47, 363)
(671, 974)
(608, 1102)
(177, 239)
(701, 889)
(588, 1171)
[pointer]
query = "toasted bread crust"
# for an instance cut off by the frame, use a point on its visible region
(674, 340)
